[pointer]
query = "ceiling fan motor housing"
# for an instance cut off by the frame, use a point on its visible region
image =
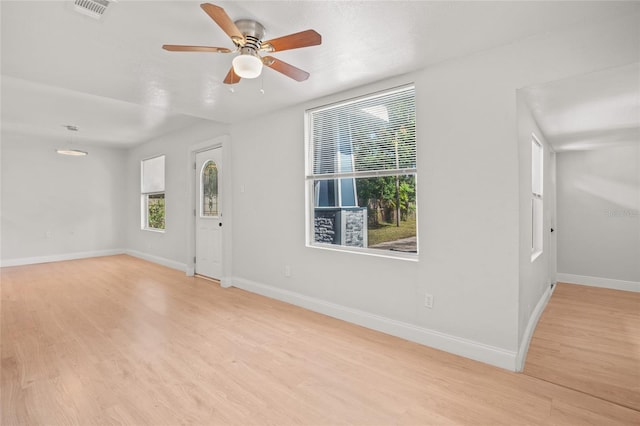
(247, 36)
(253, 33)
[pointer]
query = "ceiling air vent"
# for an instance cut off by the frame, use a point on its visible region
(92, 8)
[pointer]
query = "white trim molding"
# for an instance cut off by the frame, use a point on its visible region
(467, 348)
(157, 259)
(599, 282)
(59, 257)
(531, 327)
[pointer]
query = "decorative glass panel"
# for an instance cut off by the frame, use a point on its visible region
(210, 189)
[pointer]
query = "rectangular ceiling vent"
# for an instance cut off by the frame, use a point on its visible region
(92, 8)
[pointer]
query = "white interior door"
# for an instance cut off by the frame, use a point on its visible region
(209, 175)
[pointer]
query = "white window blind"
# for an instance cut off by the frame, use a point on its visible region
(153, 175)
(537, 208)
(536, 167)
(366, 137)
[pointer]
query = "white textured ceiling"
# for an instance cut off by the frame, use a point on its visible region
(589, 111)
(113, 80)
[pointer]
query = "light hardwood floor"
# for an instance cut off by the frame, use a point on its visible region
(118, 340)
(588, 339)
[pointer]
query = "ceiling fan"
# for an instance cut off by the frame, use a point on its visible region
(247, 36)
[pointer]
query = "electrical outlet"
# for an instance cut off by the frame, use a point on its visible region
(428, 301)
(287, 271)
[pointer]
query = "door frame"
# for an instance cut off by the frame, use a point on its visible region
(217, 142)
(552, 229)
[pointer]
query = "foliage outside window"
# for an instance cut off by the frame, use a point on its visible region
(155, 211)
(152, 193)
(361, 174)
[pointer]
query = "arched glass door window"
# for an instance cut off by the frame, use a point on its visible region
(209, 199)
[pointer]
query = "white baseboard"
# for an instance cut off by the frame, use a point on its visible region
(59, 257)
(468, 348)
(157, 259)
(531, 327)
(599, 282)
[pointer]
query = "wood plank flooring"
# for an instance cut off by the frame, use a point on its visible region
(588, 339)
(117, 340)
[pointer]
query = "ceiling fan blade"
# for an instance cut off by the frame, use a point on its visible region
(292, 41)
(222, 19)
(285, 68)
(232, 77)
(180, 48)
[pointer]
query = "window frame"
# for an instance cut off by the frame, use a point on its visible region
(311, 180)
(144, 197)
(537, 198)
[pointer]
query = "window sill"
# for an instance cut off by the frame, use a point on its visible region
(159, 231)
(411, 257)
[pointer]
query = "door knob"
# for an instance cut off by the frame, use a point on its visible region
(220, 224)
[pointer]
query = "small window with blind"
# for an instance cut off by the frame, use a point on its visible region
(361, 174)
(537, 211)
(152, 194)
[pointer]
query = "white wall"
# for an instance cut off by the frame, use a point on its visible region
(468, 194)
(536, 273)
(170, 247)
(56, 207)
(599, 213)
(468, 233)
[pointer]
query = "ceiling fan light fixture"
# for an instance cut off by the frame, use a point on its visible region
(247, 35)
(247, 65)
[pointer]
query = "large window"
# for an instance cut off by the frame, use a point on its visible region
(537, 210)
(361, 174)
(152, 189)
